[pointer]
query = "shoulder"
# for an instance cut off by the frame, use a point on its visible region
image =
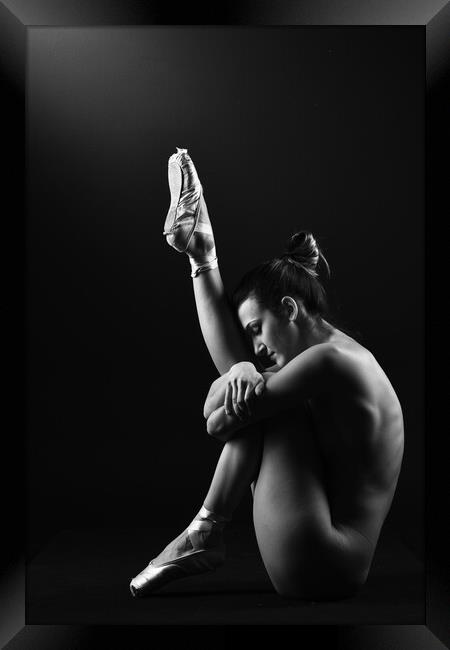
(347, 366)
(333, 353)
(321, 368)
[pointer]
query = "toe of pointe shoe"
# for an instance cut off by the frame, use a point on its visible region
(153, 578)
(177, 158)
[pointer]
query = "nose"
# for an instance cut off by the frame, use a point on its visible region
(260, 349)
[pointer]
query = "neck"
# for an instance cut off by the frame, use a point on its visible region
(317, 331)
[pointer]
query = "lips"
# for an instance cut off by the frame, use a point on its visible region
(271, 359)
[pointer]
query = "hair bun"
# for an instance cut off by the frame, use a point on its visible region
(304, 249)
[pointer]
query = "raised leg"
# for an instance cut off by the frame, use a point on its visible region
(188, 229)
(223, 338)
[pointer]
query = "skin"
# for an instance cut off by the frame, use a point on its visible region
(338, 414)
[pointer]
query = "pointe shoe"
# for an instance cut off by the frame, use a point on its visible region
(187, 226)
(203, 558)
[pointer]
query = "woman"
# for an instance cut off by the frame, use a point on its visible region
(318, 434)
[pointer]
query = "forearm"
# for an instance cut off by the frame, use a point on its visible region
(319, 370)
(217, 393)
(273, 400)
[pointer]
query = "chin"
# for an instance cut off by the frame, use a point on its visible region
(284, 360)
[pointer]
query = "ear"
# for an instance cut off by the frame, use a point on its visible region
(291, 307)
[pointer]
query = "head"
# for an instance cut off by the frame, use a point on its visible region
(281, 302)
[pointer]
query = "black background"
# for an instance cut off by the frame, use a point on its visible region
(289, 128)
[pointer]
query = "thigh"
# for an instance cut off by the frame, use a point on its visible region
(304, 554)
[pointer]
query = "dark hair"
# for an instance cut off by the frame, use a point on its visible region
(294, 274)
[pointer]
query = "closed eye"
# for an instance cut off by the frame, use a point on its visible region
(252, 329)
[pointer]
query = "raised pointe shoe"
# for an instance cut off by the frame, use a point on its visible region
(193, 555)
(187, 226)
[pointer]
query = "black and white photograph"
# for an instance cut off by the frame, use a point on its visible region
(221, 232)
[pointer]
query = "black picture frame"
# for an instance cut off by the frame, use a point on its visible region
(16, 18)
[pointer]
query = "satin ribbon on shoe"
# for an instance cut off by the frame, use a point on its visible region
(208, 266)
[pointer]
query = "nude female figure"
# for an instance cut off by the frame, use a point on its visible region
(306, 415)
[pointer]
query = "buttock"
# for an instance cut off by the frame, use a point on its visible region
(302, 551)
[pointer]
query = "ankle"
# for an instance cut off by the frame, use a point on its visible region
(201, 246)
(210, 515)
(198, 266)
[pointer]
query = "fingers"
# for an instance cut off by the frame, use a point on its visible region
(248, 397)
(259, 388)
(231, 400)
(228, 402)
(239, 406)
(239, 395)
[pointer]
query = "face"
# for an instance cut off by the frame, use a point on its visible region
(274, 338)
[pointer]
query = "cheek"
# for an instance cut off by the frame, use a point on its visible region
(284, 341)
(277, 340)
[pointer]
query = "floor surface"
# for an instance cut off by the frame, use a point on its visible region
(81, 578)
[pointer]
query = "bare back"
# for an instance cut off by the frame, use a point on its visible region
(360, 435)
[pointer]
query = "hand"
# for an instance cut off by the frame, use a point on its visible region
(244, 383)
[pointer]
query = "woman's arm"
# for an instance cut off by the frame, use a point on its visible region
(310, 373)
(235, 390)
